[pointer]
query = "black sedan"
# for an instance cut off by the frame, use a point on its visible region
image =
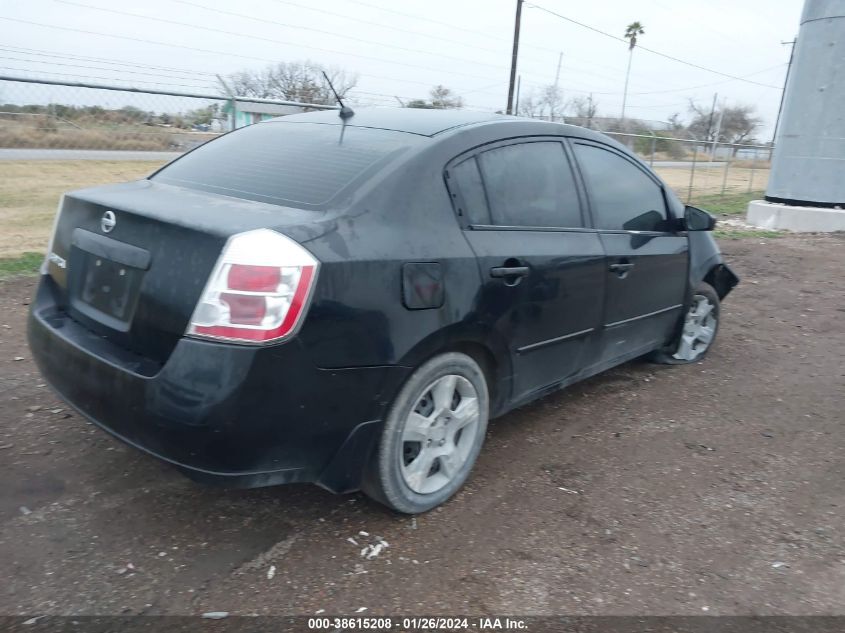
(347, 301)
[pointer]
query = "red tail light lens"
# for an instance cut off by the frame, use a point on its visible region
(254, 278)
(245, 309)
(258, 291)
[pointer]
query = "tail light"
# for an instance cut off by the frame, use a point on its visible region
(45, 265)
(258, 291)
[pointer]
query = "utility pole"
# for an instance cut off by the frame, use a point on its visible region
(783, 92)
(514, 55)
(557, 83)
(718, 129)
(233, 103)
(516, 103)
(712, 112)
(627, 76)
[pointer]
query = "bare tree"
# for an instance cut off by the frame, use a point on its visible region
(293, 81)
(738, 124)
(529, 106)
(585, 108)
(547, 103)
(440, 98)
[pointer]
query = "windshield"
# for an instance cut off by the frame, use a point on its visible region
(291, 164)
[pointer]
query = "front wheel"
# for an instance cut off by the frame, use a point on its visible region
(432, 435)
(701, 324)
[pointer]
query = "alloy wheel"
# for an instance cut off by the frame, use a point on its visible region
(439, 434)
(699, 329)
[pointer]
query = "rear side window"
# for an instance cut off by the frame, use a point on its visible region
(623, 197)
(473, 203)
(530, 184)
(292, 164)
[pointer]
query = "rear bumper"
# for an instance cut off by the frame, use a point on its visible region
(230, 414)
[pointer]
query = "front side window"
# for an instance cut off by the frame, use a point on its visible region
(530, 184)
(520, 185)
(623, 197)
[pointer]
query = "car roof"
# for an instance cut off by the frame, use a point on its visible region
(432, 122)
(422, 121)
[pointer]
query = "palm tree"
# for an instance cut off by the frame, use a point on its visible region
(631, 32)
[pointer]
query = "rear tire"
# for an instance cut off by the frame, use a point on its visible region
(432, 435)
(701, 324)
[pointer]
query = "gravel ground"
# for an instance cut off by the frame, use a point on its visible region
(712, 488)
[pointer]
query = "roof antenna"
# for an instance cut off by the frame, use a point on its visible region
(345, 111)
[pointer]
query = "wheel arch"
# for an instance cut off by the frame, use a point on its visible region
(480, 344)
(708, 265)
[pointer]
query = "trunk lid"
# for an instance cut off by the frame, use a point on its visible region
(130, 261)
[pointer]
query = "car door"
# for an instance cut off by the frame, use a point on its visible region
(646, 264)
(542, 271)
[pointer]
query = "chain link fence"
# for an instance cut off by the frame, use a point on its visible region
(57, 136)
(700, 171)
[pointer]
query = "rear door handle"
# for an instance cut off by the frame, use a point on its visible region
(621, 268)
(509, 271)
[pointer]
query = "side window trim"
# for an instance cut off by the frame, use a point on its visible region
(587, 216)
(457, 197)
(586, 187)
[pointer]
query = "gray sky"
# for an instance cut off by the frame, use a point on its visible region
(403, 49)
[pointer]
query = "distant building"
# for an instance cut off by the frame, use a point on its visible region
(248, 113)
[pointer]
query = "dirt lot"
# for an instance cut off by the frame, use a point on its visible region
(714, 488)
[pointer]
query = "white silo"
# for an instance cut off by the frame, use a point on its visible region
(806, 190)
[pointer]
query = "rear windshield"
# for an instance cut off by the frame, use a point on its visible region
(292, 164)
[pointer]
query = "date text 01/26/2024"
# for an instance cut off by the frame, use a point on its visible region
(386, 623)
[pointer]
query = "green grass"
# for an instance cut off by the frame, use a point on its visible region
(26, 264)
(738, 234)
(728, 204)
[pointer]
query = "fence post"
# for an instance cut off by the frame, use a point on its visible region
(653, 144)
(753, 167)
(725, 172)
(692, 171)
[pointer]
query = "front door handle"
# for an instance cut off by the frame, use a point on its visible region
(621, 269)
(509, 271)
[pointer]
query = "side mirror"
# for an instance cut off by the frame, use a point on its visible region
(698, 220)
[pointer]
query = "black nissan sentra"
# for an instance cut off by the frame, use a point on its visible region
(347, 301)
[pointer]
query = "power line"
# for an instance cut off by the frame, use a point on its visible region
(491, 36)
(449, 40)
(56, 54)
(688, 88)
(267, 39)
(261, 20)
(265, 20)
(46, 72)
(228, 54)
(650, 50)
(55, 63)
(385, 26)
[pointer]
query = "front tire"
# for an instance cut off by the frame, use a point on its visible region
(432, 435)
(701, 324)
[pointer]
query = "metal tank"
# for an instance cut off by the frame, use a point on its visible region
(808, 166)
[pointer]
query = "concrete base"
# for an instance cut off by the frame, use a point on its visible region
(774, 216)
